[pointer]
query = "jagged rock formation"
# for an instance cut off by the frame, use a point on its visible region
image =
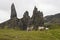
(26, 22)
(13, 12)
(13, 21)
(20, 24)
(13, 18)
(37, 18)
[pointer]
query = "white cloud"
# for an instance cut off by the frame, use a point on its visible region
(4, 15)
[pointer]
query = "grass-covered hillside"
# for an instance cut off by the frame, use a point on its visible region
(53, 18)
(10, 34)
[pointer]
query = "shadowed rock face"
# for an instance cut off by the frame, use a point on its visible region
(25, 20)
(13, 18)
(13, 12)
(20, 24)
(37, 18)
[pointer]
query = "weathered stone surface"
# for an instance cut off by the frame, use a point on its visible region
(13, 18)
(37, 18)
(20, 24)
(25, 23)
(25, 20)
(13, 23)
(13, 11)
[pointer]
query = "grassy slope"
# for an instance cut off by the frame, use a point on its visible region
(10, 34)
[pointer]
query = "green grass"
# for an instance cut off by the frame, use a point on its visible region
(55, 26)
(10, 34)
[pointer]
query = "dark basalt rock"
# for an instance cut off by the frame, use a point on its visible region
(13, 18)
(20, 24)
(13, 11)
(37, 18)
(25, 20)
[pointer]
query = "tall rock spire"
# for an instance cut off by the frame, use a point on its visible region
(13, 11)
(37, 18)
(25, 20)
(13, 18)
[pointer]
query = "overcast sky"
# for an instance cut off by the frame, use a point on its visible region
(48, 7)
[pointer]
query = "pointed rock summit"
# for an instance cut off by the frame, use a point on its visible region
(37, 18)
(13, 18)
(26, 22)
(13, 11)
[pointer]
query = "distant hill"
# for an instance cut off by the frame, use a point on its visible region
(53, 18)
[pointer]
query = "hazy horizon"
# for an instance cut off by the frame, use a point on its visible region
(48, 7)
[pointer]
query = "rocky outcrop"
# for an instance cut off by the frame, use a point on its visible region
(13, 11)
(25, 20)
(13, 21)
(37, 18)
(20, 24)
(13, 18)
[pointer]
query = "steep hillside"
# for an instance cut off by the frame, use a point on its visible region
(53, 18)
